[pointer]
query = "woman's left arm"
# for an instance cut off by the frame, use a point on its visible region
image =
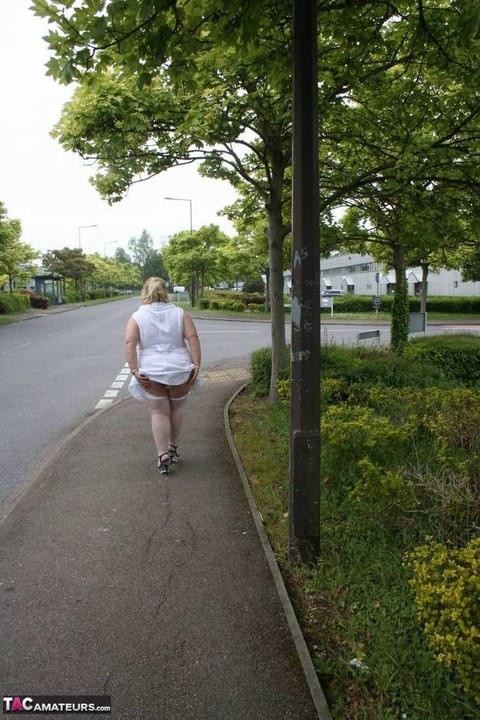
(132, 338)
(191, 336)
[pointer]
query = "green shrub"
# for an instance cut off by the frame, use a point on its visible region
(446, 584)
(253, 285)
(36, 301)
(382, 368)
(72, 297)
(204, 304)
(457, 355)
(261, 369)
(238, 306)
(443, 304)
(13, 302)
(215, 304)
(255, 307)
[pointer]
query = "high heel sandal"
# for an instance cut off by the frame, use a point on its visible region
(163, 463)
(173, 452)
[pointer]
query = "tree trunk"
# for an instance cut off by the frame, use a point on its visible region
(424, 290)
(399, 328)
(267, 289)
(275, 249)
(193, 293)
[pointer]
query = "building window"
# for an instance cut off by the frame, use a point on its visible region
(455, 283)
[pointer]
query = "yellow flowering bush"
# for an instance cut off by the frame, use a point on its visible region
(446, 584)
(453, 419)
(383, 494)
(284, 392)
(351, 433)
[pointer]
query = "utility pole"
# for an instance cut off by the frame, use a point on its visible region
(304, 514)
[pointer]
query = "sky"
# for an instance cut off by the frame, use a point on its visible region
(48, 189)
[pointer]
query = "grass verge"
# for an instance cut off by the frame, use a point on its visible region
(355, 606)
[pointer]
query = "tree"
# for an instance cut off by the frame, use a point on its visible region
(71, 264)
(149, 261)
(210, 101)
(195, 259)
(167, 83)
(122, 256)
(407, 149)
(16, 258)
(109, 273)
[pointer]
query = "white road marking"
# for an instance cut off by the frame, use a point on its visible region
(110, 393)
(115, 387)
(103, 403)
(19, 347)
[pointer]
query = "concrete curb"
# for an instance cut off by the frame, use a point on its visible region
(311, 677)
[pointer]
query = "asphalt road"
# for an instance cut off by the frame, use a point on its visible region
(56, 370)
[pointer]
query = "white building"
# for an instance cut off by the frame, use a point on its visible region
(362, 275)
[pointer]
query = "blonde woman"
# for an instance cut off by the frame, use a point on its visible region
(163, 353)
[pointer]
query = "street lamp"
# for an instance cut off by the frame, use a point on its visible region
(184, 200)
(108, 242)
(82, 227)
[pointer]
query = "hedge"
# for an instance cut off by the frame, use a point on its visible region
(458, 355)
(364, 303)
(13, 302)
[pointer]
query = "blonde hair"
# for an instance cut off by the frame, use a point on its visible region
(154, 290)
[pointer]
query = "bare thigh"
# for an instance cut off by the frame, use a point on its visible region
(156, 388)
(171, 391)
(178, 391)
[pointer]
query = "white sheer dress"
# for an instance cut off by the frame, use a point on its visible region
(162, 352)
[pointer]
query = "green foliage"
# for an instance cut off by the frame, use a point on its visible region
(204, 304)
(253, 285)
(16, 257)
(194, 259)
(36, 301)
(13, 302)
(261, 368)
(458, 355)
(441, 304)
(370, 367)
(446, 583)
(356, 604)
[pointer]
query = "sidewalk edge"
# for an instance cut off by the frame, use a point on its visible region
(311, 677)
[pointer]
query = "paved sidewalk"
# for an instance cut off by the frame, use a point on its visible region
(153, 590)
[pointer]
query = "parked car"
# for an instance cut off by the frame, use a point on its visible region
(332, 293)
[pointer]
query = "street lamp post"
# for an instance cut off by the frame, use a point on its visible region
(83, 227)
(184, 200)
(108, 242)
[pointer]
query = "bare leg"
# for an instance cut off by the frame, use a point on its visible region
(161, 423)
(176, 419)
(178, 395)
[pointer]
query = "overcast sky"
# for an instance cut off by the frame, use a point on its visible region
(48, 188)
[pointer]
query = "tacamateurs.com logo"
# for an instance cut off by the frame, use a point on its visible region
(56, 704)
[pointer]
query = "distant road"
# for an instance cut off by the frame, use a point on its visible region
(348, 332)
(55, 370)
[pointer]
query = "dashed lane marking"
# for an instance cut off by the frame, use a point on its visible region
(110, 394)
